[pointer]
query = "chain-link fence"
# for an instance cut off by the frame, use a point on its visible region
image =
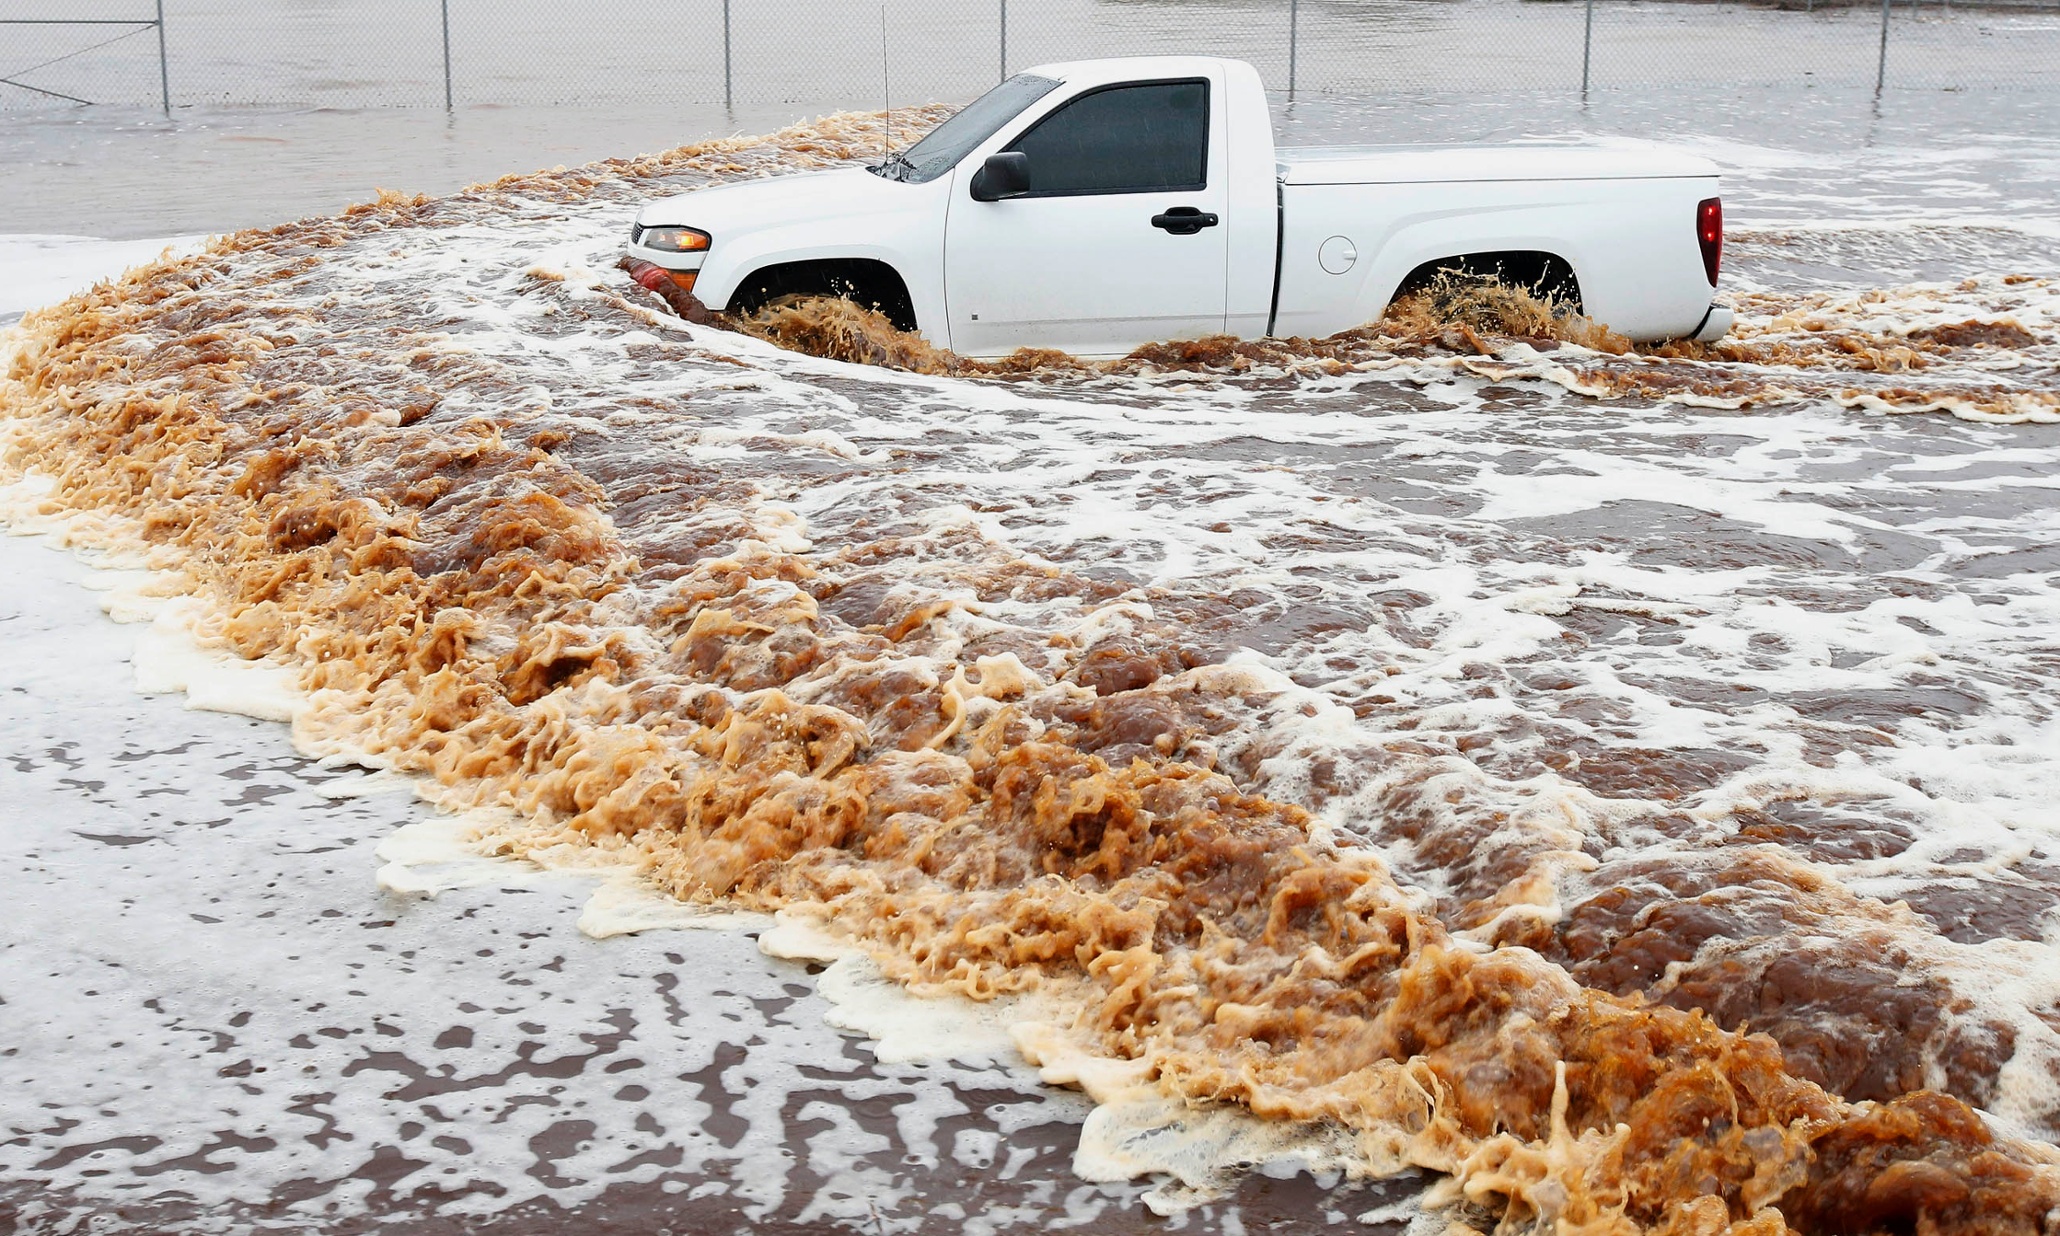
(44, 59)
(438, 53)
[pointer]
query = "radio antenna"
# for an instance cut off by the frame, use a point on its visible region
(886, 88)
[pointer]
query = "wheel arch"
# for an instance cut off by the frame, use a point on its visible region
(867, 281)
(1541, 272)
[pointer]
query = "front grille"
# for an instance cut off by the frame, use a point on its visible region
(636, 233)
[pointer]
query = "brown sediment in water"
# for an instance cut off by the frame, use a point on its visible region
(1785, 349)
(634, 662)
(1972, 334)
(838, 329)
(1465, 316)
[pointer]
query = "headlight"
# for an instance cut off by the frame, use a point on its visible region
(675, 239)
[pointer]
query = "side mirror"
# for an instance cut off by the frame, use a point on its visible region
(1004, 175)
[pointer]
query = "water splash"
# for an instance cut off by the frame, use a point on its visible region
(999, 775)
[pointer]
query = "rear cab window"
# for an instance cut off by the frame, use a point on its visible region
(1145, 137)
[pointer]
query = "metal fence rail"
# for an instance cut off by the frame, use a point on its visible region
(380, 53)
(130, 27)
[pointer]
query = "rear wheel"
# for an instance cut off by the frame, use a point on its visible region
(1545, 277)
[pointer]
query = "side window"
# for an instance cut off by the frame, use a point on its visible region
(1126, 139)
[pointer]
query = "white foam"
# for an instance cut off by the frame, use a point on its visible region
(906, 1028)
(42, 270)
(443, 853)
(626, 904)
(170, 658)
(1134, 1130)
(1138, 1130)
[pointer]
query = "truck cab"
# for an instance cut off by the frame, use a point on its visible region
(1152, 178)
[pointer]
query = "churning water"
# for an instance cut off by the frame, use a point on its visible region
(1620, 784)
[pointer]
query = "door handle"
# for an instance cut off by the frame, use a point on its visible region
(1185, 220)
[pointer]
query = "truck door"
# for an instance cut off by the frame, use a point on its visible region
(1119, 241)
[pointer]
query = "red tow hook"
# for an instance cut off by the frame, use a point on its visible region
(674, 287)
(649, 275)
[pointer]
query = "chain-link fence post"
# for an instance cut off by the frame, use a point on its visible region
(728, 99)
(1004, 40)
(447, 55)
(164, 72)
(1294, 43)
(1881, 64)
(1587, 47)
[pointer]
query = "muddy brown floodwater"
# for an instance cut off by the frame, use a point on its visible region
(1664, 873)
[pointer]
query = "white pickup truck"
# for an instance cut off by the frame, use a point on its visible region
(1100, 205)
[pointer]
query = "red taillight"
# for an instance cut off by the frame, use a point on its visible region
(1709, 230)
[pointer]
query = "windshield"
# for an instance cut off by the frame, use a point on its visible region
(946, 144)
